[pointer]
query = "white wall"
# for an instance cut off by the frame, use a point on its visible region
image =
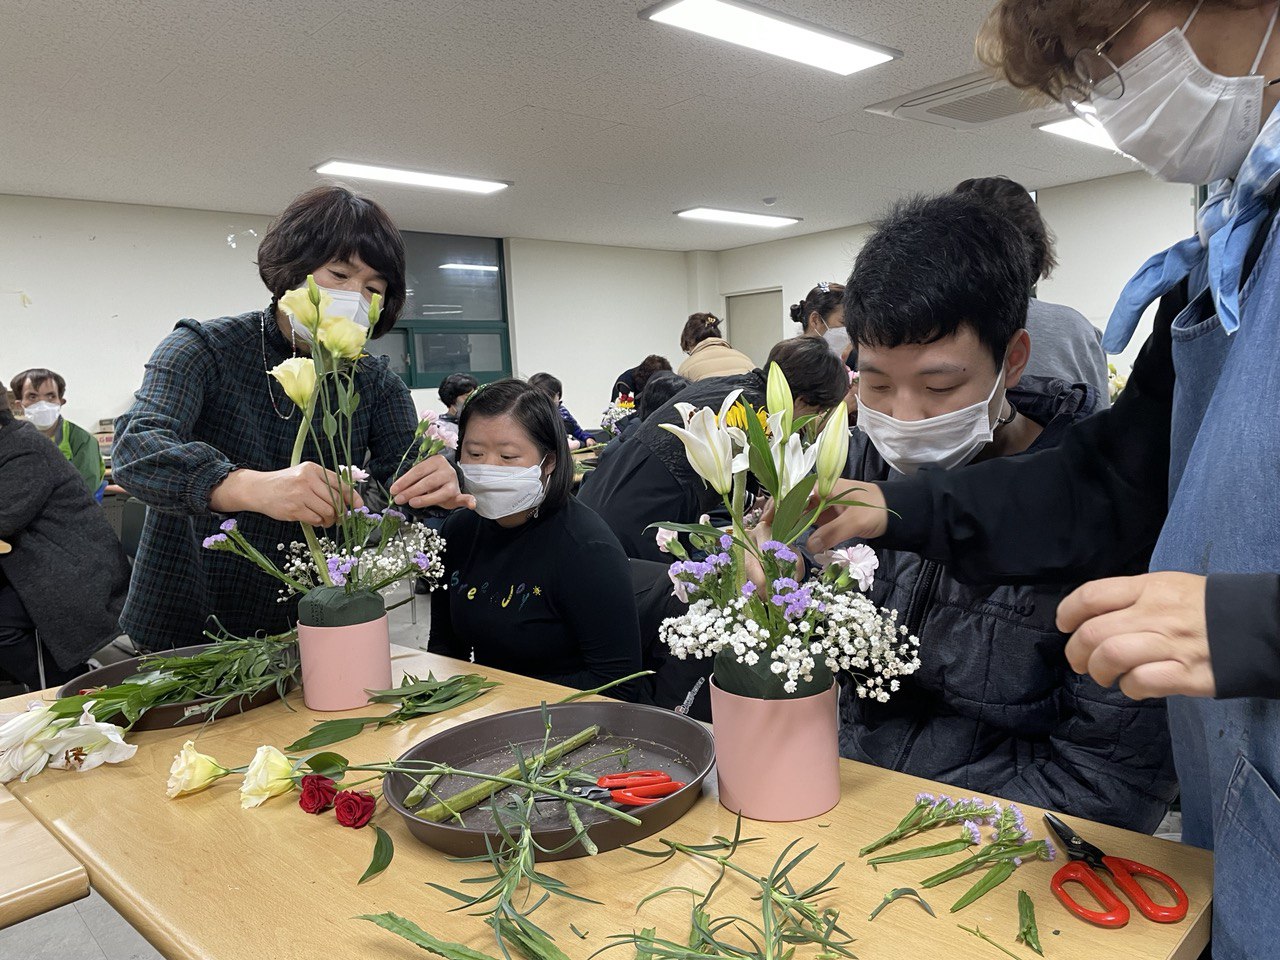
(586, 313)
(89, 289)
(1106, 229)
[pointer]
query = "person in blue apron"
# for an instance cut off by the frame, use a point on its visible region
(1182, 470)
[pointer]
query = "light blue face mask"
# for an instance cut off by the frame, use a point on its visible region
(503, 491)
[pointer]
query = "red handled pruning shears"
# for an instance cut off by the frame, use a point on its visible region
(635, 788)
(1086, 863)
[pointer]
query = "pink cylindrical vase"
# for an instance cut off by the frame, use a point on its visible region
(339, 664)
(776, 759)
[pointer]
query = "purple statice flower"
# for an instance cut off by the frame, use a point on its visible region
(748, 588)
(780, 550)
(971, 832)
(1017, 861)
(717, 560)
(1050, 852)
(368, 514)
(392, 514)
(421, 561)
(785, 583)
(726, 541)
(928, 798)
(215, 542)
(227, 526)
(1019, 820)
(338, 570)
(798, 603)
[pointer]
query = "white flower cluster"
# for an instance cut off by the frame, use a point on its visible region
(414, 550)
(850, 633)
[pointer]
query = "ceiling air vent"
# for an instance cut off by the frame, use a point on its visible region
(962, 104)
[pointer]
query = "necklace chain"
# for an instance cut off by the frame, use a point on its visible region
(271, 392)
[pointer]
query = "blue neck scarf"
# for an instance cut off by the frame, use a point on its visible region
(1225, 227)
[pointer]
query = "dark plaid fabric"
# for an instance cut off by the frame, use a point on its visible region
(204, 409)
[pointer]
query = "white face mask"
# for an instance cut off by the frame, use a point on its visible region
(43, 414)
(346, 303)
(503, 491)
(946, 441)
(837, 340)
(1180, 120)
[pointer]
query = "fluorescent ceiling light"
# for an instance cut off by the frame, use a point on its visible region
(736, 216)
(758, 28)
(485, 267)
(1077, 128)
(414, 178)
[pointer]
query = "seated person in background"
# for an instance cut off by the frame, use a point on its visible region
(709, 353)
(64, 575)
(534, 582)
(1066, 345)
(454, 390)
(42, 395)
(658, 392)
(942, 357)
(649, 478)
(632, 381)
(554, 389)
(821, 314)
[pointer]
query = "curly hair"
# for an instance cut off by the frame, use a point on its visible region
(1032, 43)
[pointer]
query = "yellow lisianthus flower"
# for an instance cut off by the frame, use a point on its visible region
(193, 771)
(342, 337)
(270, 774)
(305, 306)
(298, 377)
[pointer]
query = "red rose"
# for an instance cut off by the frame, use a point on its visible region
(354, 809)
(317, 793)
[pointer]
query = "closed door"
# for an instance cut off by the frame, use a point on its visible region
(754, 322)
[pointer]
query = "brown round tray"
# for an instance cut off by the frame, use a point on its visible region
(182, 714)
(660, 739)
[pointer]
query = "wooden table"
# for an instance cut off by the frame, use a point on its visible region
(37, 873)
(200, 878)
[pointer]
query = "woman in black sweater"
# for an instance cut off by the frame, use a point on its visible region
(535, 583)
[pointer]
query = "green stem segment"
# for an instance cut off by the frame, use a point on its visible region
(477, 794)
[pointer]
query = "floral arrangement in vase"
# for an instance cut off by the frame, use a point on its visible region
(776, 640)
(341, 576)
(616, 412)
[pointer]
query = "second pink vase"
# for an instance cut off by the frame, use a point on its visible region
(776, 759)
(339, 664)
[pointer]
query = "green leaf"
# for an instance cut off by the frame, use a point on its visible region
(995, 876)
(923, 853)
(1028, 933)
(331, 765)
(330, 731)
(416, 935)
(705, 529)
(893, 895)
(977, 932)
(578, 933)
(792, 508)
(330, 425)
(760, 456)
(383, 851)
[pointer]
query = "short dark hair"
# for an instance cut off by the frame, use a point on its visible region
(933, 265)
(813, 372)
(648, 367)
(821, 300)
(333, 223)
(699, 327)
(456, 385)
(1012, 201)
(548, 384)
(37, 376)
(662, 386)
(532, 409)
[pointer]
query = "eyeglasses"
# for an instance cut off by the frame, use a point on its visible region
(1095, 74)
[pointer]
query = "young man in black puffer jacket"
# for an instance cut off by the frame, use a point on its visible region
(936, 307)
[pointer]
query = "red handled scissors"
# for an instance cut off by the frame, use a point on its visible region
(1086, 863)
(635, 788)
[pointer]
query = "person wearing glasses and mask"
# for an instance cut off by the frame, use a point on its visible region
(534, 582)
(943, 356)
(1180, 472)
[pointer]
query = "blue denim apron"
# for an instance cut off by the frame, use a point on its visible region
(1224, 517)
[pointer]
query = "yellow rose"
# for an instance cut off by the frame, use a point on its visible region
(298, 377)
(342, 336)
(193, 771)
(270, 774)
(301, 304)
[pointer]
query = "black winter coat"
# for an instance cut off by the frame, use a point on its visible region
(995, 707)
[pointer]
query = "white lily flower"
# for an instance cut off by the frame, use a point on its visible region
(833, 449)
(709, 445)
(778, 398)
(18, 728)
(88, 744)
(793, 461)
(22, 762)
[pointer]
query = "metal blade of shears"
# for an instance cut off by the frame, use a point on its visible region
(1074, 845)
